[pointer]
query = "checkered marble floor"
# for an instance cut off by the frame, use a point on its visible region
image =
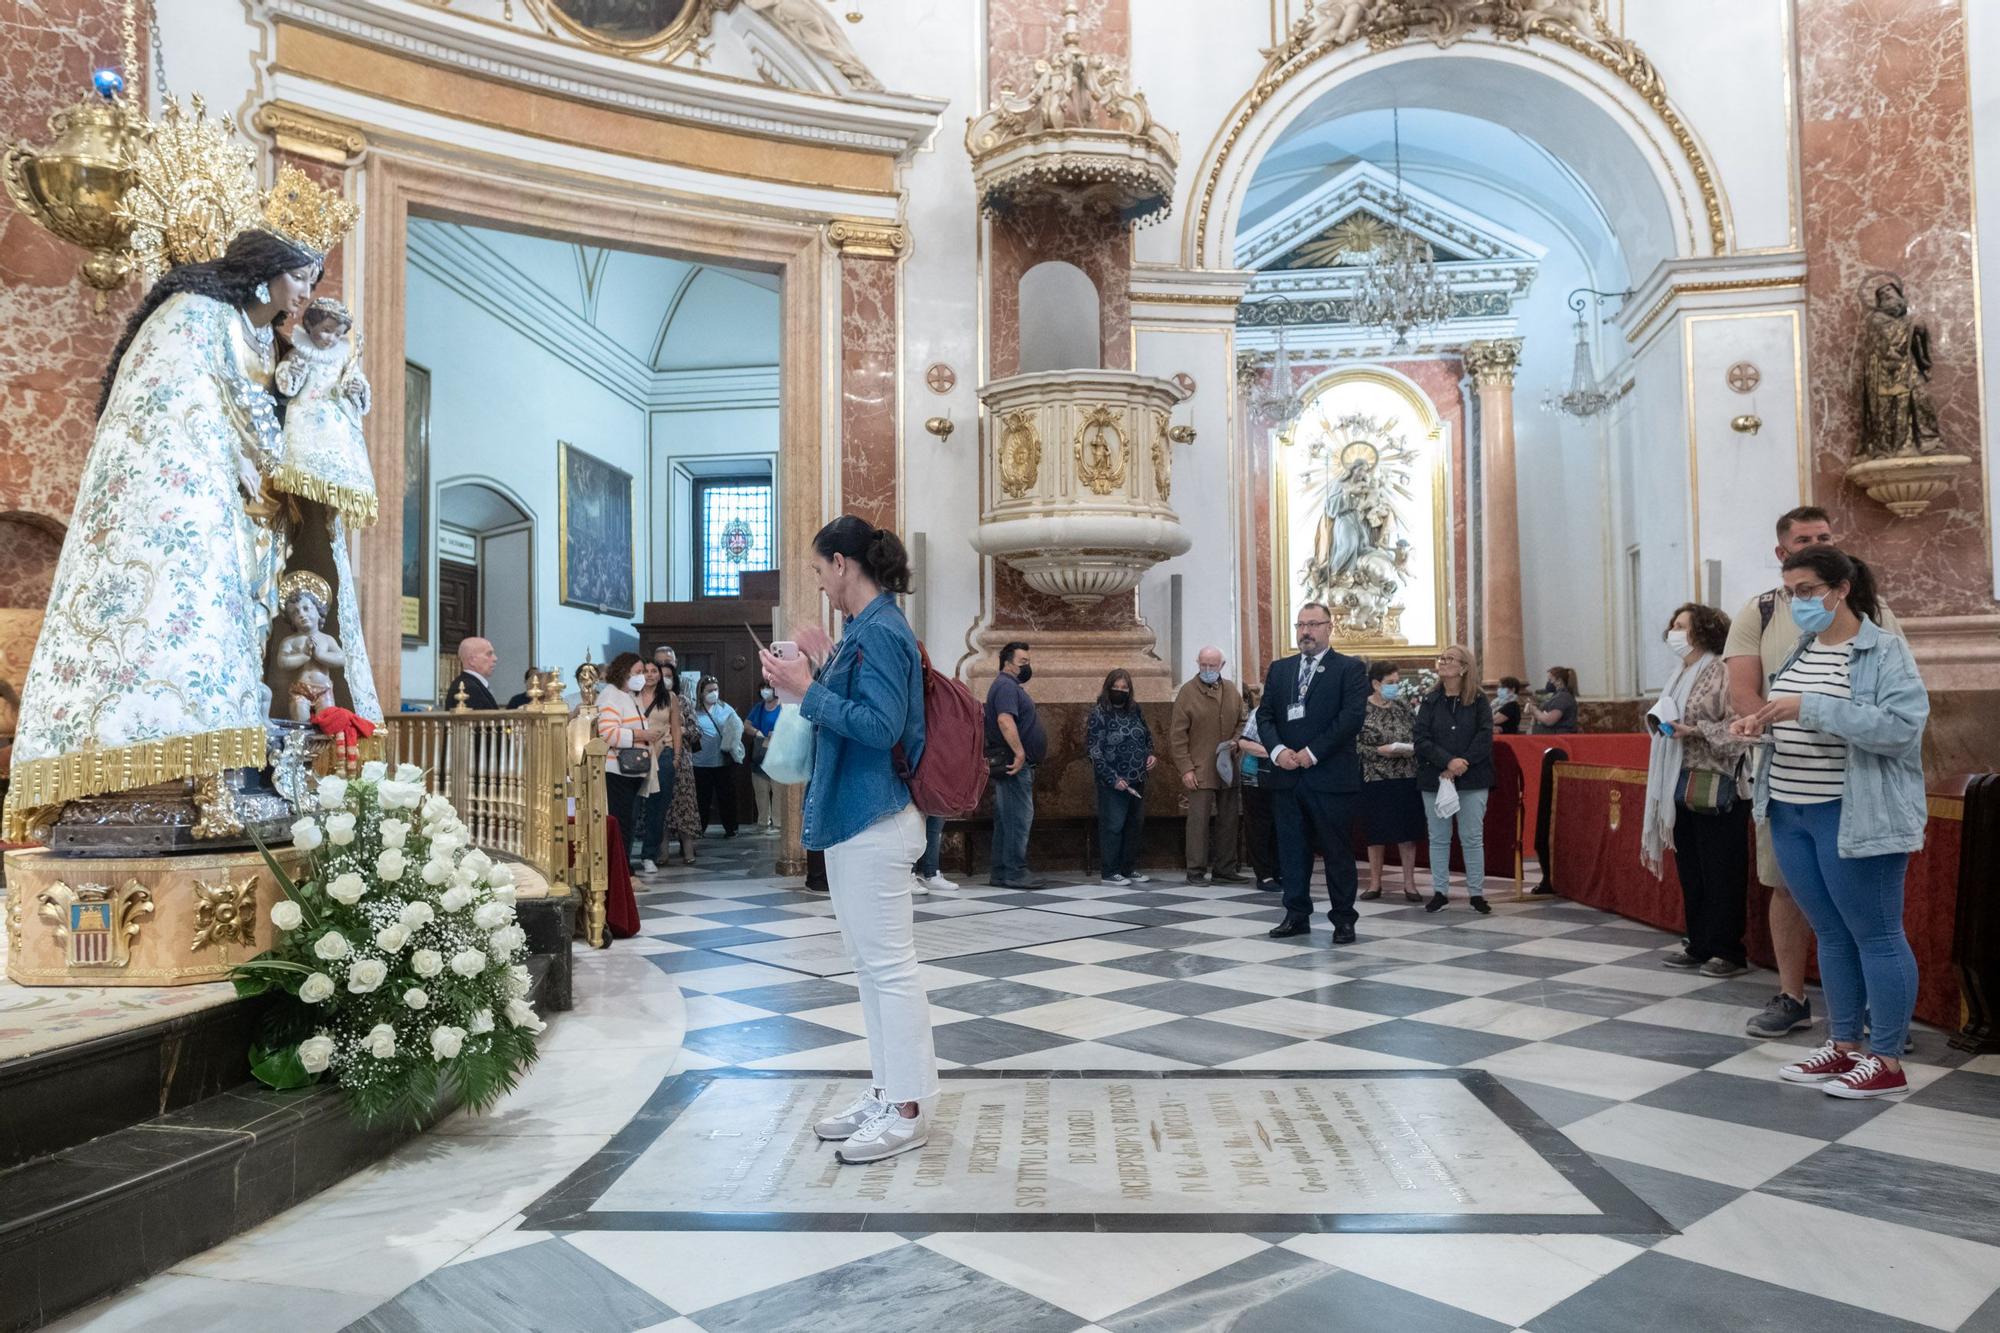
(1792, 1210)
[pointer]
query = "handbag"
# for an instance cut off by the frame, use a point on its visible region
(1703, 791)
(634, 761)
(788, 759)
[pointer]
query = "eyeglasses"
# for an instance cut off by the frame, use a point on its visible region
(1812, 592)
(1311, 624)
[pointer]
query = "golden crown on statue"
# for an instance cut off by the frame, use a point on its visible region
(302, 210)
(195, 190)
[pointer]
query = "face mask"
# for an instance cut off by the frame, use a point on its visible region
(635, 683)
(710, 698)
(1812, 615)
(768, 693)
(1677, 642)
(1025, 672)
(1504, 695)
(1119, 698)
(1551, 688)
(1210, 677)
(1392, 690)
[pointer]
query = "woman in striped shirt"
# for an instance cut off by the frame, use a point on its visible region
(1843, 791)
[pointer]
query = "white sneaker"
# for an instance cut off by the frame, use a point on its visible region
(1116, 881)
(939, 884)
(858, 1113)
(887, 1133)
(918, 884)
(646, 867)
(1136, 878)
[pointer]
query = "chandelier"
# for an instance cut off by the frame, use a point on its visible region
(1400, 290)
(1584, 398)
(1276, 403)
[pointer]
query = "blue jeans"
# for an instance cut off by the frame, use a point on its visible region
(927, 868)
(653, 822)
(1013, 816)
(1471, 819)
(1121, 821)
(1856, 908)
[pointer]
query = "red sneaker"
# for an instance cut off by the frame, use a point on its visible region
(1821, 1065)
(1869, 1078)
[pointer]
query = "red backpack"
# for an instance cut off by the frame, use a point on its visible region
(950, 779)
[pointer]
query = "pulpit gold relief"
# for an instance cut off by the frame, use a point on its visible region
(1101, 448)
(1163, 457)
(1020, 453)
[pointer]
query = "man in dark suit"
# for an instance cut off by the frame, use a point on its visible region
(1312, 711)
(476, 660)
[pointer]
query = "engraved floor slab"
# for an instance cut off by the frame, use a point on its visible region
(1207, 1150)
(1013, 928)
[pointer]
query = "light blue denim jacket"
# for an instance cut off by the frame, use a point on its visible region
(867, 699)
(1882, 804)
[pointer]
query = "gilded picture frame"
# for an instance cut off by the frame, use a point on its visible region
(596, 536)
(416, 609)
(659, 29)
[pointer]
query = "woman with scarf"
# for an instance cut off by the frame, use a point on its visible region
(1120, 747)
(1697, 800)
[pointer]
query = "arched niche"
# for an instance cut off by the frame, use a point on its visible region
(1640, 160)
(1059, 319)
(502, 525)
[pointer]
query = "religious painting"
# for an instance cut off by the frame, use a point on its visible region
(416, 504)
(624, 23)
(1361, 523)
(594, 507)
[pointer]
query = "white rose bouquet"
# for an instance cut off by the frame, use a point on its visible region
(399, 965)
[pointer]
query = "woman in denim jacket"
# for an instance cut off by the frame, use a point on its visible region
(1120, 748)
(1843, 788)
(865, 702)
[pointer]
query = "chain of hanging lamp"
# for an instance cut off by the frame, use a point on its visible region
(1400, 290)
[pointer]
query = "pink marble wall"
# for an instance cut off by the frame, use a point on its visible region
(868, 333)
(29, 547)
(1439, 381)
(1886, 143)
(53, 341)
(1019, 32)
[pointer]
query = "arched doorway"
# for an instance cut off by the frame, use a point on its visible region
(485, 577)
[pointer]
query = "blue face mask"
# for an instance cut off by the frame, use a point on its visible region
(1812, 615)
(1210, 677)
(1392, 690)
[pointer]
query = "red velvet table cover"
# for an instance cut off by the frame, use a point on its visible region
(1594, 838)
(1615, 749)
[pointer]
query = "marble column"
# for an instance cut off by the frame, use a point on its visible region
(1501, 648)
(869, 335)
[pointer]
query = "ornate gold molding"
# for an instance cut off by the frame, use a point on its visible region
(225, 912)
(868, 240)
(1681, 289)
(1395, 22)
(94, 923)
(1100, 465)
(1020, 453)
(307, 134)
(1493, 360)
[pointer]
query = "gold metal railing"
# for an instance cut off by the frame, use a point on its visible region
(528, 782)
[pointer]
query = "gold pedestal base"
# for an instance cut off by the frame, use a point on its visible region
(137, 920)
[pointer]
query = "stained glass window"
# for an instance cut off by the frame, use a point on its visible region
(733, 532)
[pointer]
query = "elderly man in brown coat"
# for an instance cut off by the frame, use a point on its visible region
(1208, 712)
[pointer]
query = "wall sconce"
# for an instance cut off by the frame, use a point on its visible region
(1181, 434)
(1747, 424)
(940, 427)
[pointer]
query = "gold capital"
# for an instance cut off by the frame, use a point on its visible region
(306, 134)
(1493, 361)
(870, 240)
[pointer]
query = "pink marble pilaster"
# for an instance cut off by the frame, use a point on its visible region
(868, 480)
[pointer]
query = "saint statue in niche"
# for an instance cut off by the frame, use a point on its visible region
(624, 21)
(1898, 417)
(1360, 561)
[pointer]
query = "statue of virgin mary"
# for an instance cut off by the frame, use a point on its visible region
(150, 665)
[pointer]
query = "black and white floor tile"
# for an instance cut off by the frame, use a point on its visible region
(1776, 1207)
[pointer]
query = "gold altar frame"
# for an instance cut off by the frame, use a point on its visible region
(1285, 587)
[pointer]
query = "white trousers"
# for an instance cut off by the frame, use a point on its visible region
(869, 877)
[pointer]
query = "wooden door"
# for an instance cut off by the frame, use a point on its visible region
(458, 603)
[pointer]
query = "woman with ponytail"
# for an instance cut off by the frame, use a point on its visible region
(866, 699)
(1843, 790)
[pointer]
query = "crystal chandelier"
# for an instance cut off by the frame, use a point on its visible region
(1277, 403)
(1584, 398)
(1400, 289)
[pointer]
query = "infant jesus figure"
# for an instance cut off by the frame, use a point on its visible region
(326, 395)
(309, 653)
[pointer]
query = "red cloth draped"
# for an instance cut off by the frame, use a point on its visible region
(621, 906)
(1615, 749)
(1599, 865)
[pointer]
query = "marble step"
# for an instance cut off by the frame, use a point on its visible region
(99, 1215)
